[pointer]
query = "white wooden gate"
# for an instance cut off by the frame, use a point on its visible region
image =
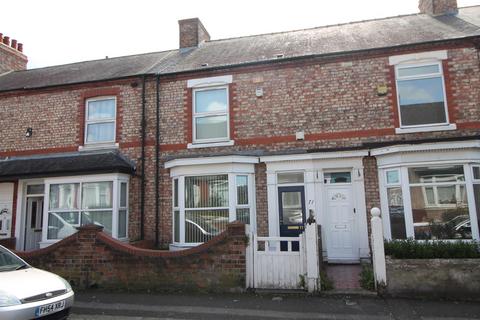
(283, 262)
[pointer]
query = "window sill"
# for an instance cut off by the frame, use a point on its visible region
(444, 127)
(98, 146)
(210, 144)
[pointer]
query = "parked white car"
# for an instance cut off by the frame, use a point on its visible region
(29, 293)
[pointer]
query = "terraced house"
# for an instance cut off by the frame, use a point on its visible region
(266, 129)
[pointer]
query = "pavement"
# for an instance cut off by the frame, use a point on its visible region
(129, 306)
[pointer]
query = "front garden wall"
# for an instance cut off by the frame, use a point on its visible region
(446, 278)
(91, 258)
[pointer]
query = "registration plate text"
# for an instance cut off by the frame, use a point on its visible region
(49, 308)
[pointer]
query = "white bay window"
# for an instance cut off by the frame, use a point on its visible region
(77, 201)
(431, 202)
(208, 194)
(430, 191)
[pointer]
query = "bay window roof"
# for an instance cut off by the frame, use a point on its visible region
(65, 164)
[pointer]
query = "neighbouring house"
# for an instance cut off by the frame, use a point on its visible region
(266, 129)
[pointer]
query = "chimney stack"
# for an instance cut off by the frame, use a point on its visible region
(192, 33)
(438, 7)
(11, 55)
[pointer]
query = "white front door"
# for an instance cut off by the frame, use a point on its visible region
(341, 238)
(33, 223)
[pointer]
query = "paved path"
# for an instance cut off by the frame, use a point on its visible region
(103, 306)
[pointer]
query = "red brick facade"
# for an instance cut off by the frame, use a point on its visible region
(333, 100)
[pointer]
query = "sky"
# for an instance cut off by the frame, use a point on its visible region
(63, 31)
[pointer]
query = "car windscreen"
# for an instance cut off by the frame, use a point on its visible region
(9, 261)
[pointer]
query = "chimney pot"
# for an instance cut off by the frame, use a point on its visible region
(192, 33)
(11, 58)
(438, 7)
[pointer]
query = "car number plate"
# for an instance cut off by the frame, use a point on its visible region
(49, 308)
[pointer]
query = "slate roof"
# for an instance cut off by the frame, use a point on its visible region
(355, 36)
(65, 164)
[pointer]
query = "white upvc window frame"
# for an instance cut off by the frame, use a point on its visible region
(439, 74)
(116, 180)
(240, 206)
(290, 184)
(232, 203)
(106, 120)
(406, 185)
(196, 115)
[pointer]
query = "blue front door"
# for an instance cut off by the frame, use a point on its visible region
(292, 212)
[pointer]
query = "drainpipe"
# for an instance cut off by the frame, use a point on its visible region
(157, 163)
(142, 187)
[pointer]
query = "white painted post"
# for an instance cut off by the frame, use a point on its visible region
(249, 254)
(311, 250)
(378, 251)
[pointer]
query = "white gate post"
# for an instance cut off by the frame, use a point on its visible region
(249, 256)
(378, 251)
(311, 251)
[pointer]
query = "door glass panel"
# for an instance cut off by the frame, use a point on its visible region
(33, 213)
(337, 177)
(35, 189)
(292, 207)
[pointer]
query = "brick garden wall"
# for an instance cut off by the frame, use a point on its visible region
(90, 258)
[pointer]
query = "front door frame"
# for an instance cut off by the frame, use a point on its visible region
(21, 211)
(314, 165)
